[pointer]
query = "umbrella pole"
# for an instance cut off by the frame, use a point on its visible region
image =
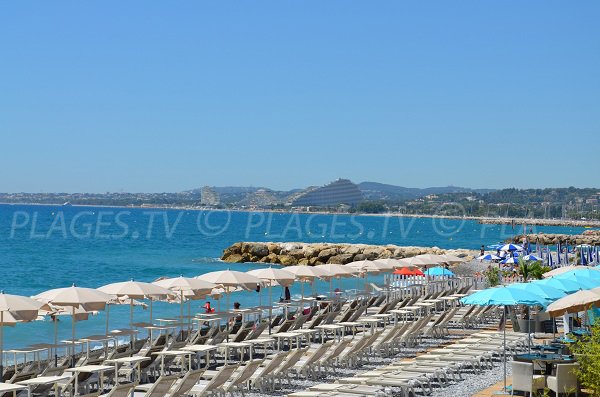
(107, 314)
(189, 319)
(73, 336)
(131, 320)
(181, 310)
(55, 342)
(270, 305)
(528, 330)
(228, 319)
(504, 344)
(1, 345)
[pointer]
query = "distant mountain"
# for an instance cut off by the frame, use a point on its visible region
(382, 191)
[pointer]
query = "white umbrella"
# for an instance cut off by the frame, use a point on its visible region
(432, 259)
(452, 259)
(88, 299)
(337, 271)
(307, 274)
(389, 264)
(565, 269)
(273, 277)
(136, 290)
(14, 309)
(365, 267)
(574, 303)
(413, 261)
(231, 279)
(187, 287)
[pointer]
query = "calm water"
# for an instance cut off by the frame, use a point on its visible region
(43, 247)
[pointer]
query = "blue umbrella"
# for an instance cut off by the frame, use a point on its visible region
(567, 286)
(586, 273)
(503, 296)
(558, 261)
(489, 257)
(511, 247)
(548, 293)
(439, 271)
(532, 257)
(582, 280)
(510, 260)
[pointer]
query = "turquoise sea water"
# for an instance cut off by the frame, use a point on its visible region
(43, 247)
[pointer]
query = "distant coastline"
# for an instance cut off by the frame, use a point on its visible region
(517, 222)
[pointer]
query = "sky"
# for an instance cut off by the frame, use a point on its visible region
(153, 96)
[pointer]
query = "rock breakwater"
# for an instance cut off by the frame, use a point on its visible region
(296, 253)
(591, 237)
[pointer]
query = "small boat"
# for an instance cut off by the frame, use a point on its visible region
(67, 204)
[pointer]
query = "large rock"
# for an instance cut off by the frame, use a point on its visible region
(298, 253)
(233, 249)
(340, 259)
(325, 254)
(234, 258)
(352, 250)
(258, 250)
(274, 248)
(287, 260)
(271, 258)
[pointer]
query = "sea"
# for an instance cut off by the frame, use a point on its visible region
(47, 246)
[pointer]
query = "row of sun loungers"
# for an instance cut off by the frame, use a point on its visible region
(348, 334)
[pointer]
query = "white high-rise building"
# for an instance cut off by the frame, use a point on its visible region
(209, 197)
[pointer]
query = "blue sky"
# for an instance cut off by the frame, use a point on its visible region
(167, 96)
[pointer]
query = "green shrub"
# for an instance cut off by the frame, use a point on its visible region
(587, 352)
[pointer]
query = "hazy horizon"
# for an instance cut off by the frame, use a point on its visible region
(147, 96)
(292, 188)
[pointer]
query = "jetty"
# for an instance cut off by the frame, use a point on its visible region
(589, 237)
(298, 253)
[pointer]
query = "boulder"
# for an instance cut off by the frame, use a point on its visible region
(297, 253)
(325, 254)
(359, 257)
(303, 262)
(234, 258)
(287, 260)
(271, 258)
(372, 252)
(274, 248)
(340, 259)
(351, 249)
(314, 261)
(231, 250)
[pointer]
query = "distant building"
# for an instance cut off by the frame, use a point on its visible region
(209, 197)
(338, 192)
